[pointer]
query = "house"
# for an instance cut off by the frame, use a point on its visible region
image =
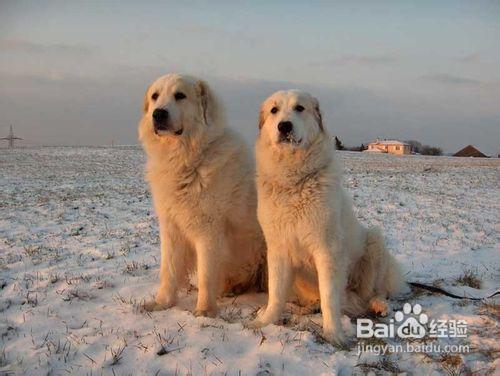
(389, 146)
(469, 151)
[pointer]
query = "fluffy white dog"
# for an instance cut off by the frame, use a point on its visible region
(201, 178)
(315, 243)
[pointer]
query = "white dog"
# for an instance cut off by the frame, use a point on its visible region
(314, 240)
(201, 179)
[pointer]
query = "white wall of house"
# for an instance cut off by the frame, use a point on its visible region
(395, 148)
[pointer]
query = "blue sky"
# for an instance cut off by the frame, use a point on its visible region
(75, 72)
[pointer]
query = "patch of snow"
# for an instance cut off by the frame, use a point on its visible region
(79, 252)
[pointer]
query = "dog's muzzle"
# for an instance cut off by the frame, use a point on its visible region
(285, 129)
(160, 120)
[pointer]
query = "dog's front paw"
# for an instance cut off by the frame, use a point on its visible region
(262, 319)
(153, 305)
(211, 312)
(337, 339)
(254, 324)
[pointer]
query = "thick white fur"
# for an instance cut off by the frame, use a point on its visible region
(204, 195)
(315, 243)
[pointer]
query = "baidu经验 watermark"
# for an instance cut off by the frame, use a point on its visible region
(411, 323)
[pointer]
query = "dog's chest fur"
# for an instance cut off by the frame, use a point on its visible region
(295, 208)
(193, 193)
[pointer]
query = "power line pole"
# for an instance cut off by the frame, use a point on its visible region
(11, 138)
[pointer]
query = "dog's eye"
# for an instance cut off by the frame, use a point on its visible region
(299, 108)
(274, 110)
(179, 96)
(154, 96)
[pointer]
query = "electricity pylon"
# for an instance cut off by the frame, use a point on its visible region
(11, 138)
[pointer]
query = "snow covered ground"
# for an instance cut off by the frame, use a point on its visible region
(79, 252)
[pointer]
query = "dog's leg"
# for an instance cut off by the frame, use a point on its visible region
(209, 254)
(170, 265)
(173, 268)
(280, 282)
(331, 280)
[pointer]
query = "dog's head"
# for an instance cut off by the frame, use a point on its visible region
(177, 107)
(290, 119)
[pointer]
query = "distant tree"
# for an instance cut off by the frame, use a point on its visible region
(362, 147)
(415, 145)
(418, 147)
(431, 150)
(338, 144)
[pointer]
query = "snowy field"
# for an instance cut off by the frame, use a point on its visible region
(79, 252)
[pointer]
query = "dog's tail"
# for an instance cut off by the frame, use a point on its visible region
(389, 280)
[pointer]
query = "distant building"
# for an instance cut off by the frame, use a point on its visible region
(469, 151)
(389, 146)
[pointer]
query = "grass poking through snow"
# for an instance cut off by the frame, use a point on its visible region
(470, 278)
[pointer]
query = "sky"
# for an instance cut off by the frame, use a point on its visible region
(74, 73)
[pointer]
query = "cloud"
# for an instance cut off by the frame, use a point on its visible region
(469, 58)
(201, 31)
(26, 46)
(367, 60)
(46, 78)
(449, 79)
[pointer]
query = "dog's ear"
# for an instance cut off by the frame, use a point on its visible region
(262, 118)
(145, 103)
(208, 102)
(317, 114)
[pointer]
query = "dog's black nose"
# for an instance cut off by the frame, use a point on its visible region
(160, 117)
(285, 127)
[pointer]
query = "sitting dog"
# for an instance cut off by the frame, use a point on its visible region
(314, 241)
(201, 179)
